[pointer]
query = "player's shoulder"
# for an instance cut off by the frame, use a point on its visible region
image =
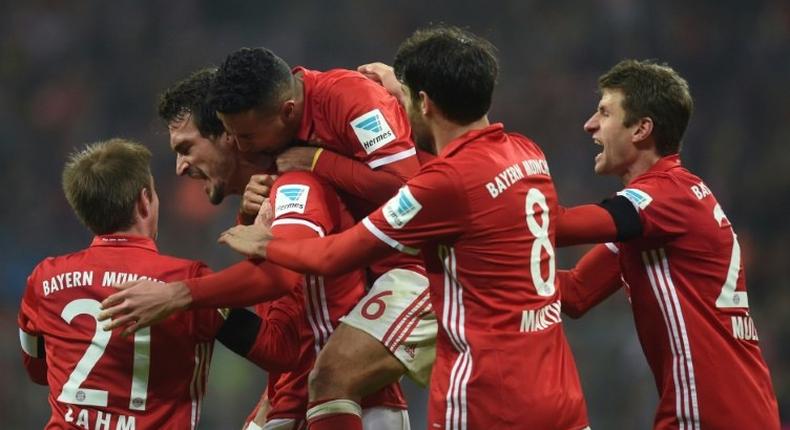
(303, 194)
(57, 263)
(340, 81)
(667, 187)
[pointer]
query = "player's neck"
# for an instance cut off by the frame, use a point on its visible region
(644, 161)
(137, 229)
(445, 131)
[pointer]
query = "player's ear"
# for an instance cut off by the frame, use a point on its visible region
(144, 203)
(643, 129)
(426, 104)
(288, 110)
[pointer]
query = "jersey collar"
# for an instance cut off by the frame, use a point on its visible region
(665, 163)
(493, 132)
(124, 240)
(308, 80)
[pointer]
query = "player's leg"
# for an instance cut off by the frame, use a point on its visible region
(390, 332)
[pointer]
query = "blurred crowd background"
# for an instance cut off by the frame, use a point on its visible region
(77, 72)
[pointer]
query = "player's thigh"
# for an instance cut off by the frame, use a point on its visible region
(353, 362)
(397, 312)
(383, 418)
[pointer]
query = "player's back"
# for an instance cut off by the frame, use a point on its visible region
(100, 380)
(492, 287)
(688, 294)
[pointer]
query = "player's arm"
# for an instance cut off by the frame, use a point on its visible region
(270, 341)
(595, 277)
(614, 219)
(430, 206)
(31, 339)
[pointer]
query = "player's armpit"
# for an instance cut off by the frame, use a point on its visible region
(585, 224)
(331, 255)
(243, 284)
(357, 178)
(270, 343)
(595, 277)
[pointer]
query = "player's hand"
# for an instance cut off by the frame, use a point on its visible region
(384, 75)
(255, 193)
(296, 158)
(265, 214)
(142, 303)
(248, 240)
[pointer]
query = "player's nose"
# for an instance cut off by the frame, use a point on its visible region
(181, 165)
(592, 124)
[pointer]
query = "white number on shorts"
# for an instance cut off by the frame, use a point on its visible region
(72, 393)
(544, 287)
(729, 298)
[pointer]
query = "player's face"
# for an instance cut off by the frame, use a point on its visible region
(256, 131)
(211, 161)
(607, 128)
(423, 137)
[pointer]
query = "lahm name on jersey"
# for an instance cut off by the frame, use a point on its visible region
(516, 172)
(743, 328)
(84, 278)
(102, 420)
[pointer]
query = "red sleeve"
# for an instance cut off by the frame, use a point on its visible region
(431, 206)
(277, 345)
(356, 178)
(595, 277)
(374, 124)
(585, 224)
(30, 337)
(302, 201)
(660, 204)
(303, 208)
(332, 255)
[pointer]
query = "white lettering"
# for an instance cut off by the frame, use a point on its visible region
(743, 328)
(103, 421)
(491, 190)
(46, 287)
(82, 419)
(533, 320)
(700, 190)
(536, 167)
(123, 424)
(504, 179)
(69, 416)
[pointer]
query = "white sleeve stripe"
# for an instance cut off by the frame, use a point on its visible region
(388, 240)
(612, 247)
(392, 158)
(29, 343)
(305, 223)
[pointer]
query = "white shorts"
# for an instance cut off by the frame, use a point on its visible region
(375, 418)
(397, 311)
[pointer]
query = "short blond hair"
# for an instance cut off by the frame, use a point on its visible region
(103, 180)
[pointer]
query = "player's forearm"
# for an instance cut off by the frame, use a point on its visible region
(613, 220)
(357, 178)
(243, 284)
(269, 343)
(595, 278)
(331, 255)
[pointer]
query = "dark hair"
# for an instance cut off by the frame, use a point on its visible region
(655, 91)
(250, 79)
(190, 97)
(457, 69)
(103, 181)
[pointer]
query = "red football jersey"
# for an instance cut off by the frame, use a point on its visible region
(101, 380)
(353, 116)
(300, 200)
(688, 292)
(483, 214)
